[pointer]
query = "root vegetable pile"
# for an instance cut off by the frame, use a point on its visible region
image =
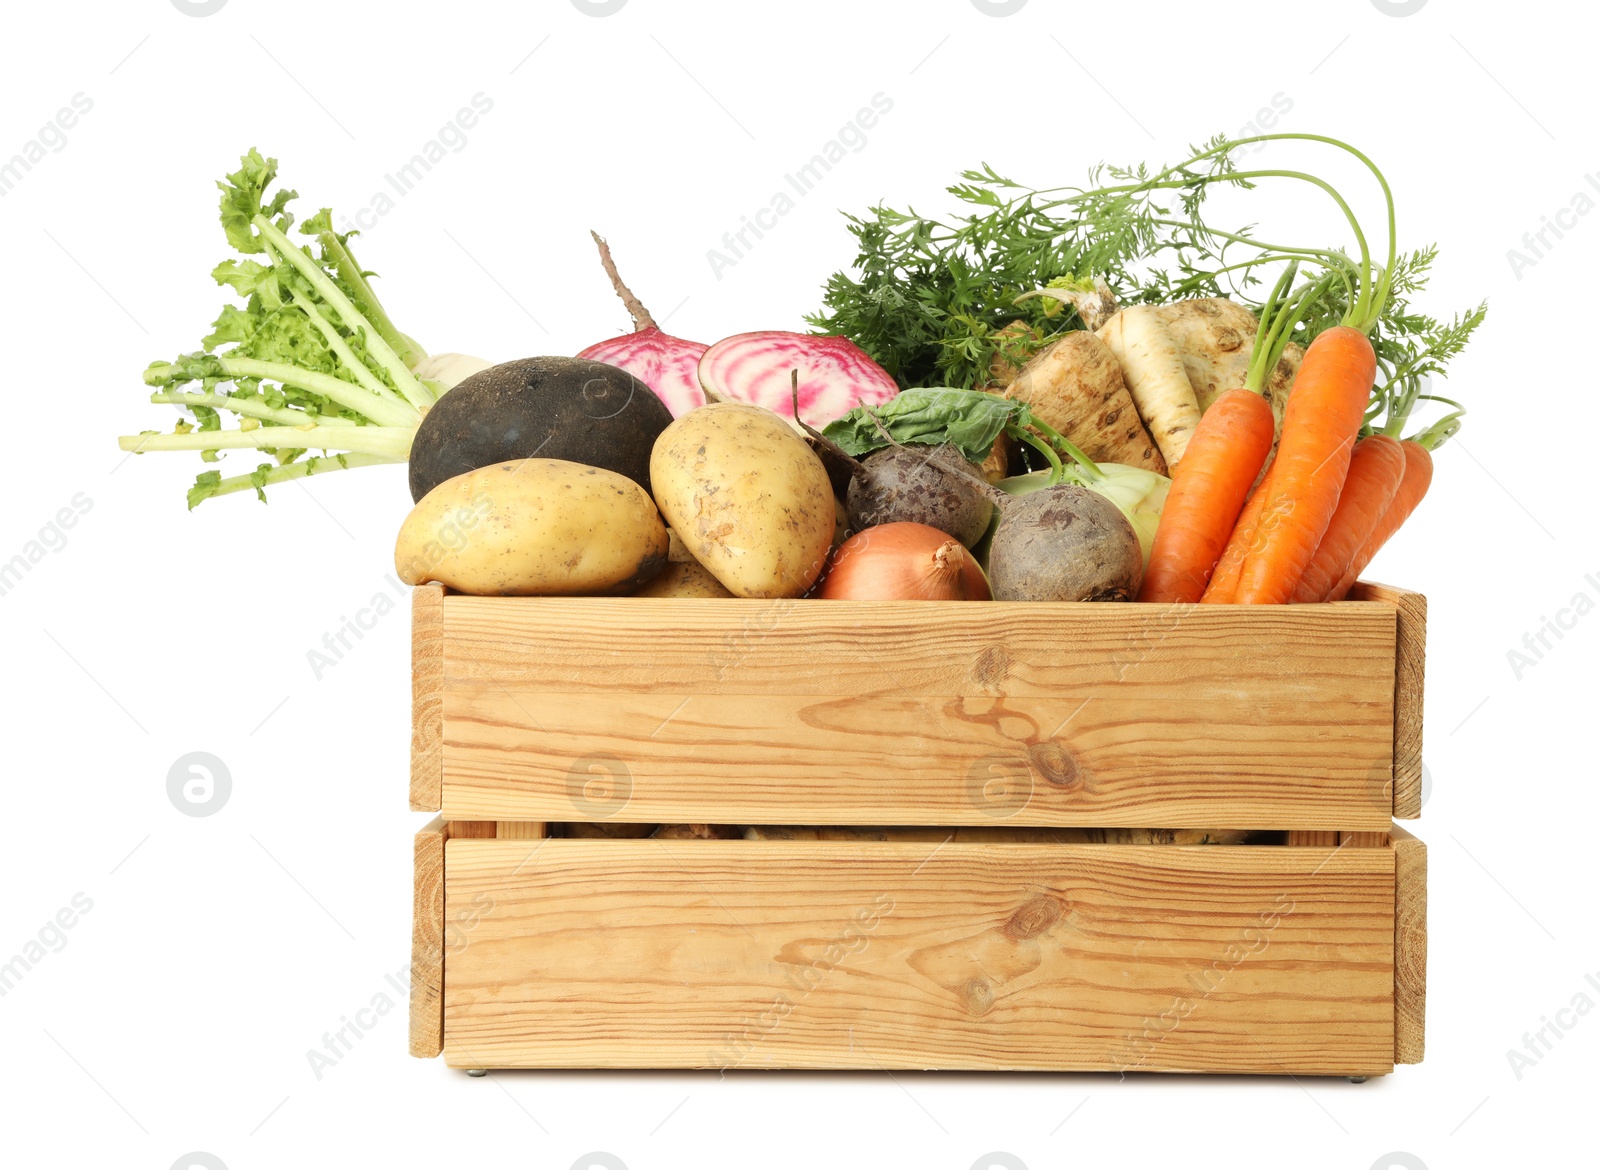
(1060, 394)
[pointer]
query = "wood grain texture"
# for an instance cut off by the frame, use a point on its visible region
(753, 712)
(1410, 946)
(1312, 837)
(520, 830)
(427, 697)
(1411, 637)
(867, 955)
(427, 939)
(1364, 840)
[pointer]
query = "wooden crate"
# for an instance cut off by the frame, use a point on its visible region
(859, 713)
(1305, 957)
(560, 953)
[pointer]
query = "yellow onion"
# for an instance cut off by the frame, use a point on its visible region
(903, 562)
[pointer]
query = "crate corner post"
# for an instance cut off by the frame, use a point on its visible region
(427, 939)
(427, 697)
(1410, 946)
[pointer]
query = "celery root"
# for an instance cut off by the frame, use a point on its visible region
(1076, 385)
(1216, 337)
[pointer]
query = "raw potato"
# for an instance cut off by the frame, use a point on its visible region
(533, 526)
(684, 579)
(1153, 370)
(1076, 386)
(749, 497)
(677, 551)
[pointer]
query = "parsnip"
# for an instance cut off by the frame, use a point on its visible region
(1153, 369)
(1076, 386)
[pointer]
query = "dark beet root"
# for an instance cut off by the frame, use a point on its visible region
(552, 407)
(1064, 543)
(922, 485)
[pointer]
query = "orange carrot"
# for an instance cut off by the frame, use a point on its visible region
(1319, 429)
(1419, 474)
(1225, 578)
(1209, 486)
(1376, 468)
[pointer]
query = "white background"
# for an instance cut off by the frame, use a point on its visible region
(178, 1013)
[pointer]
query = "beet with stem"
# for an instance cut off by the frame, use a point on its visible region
(914, 483)
(668, 365)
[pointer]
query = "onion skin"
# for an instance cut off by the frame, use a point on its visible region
(903, 562)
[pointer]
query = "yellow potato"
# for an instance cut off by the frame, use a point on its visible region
(749, 498)
(684, 579)
(533, 526)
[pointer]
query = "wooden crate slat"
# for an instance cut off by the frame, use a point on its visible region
(1410, 946)
(892, 955)
(1042, 714)
(598, 645)
(427, 696)
(427, 939)
(760, 760)
(1411, 636)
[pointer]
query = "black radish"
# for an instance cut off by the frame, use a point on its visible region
(550, 407)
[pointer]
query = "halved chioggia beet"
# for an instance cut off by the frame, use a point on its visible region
(836, 375)
(665, 363)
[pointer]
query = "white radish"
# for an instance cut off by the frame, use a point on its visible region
(444, 370)
(1153, 368)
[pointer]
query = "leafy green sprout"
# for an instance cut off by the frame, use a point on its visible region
(313, 360)
(935, 301)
